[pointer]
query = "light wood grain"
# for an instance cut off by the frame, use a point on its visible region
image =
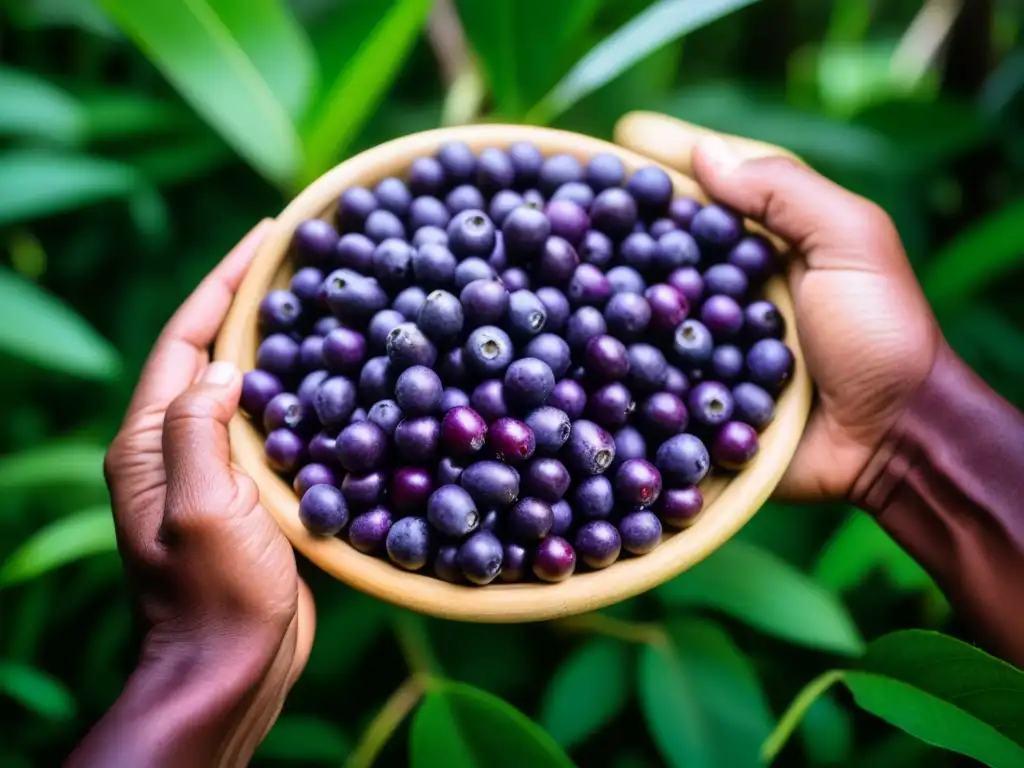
(731, 501)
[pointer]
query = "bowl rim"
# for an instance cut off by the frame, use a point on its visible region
(740, 496)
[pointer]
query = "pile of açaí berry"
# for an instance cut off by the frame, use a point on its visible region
(505, 362)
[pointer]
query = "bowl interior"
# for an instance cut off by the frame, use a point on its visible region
(730, 501)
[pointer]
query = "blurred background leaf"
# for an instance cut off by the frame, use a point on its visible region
(36, 691)
(80, 534)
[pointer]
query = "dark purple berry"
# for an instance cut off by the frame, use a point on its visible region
(583, 325)
(524, 232)
(611, 405)
(511, 440)
(285, 410)
(418, 391)
(613, 212)
(408, 543)
(433, 265)
(546, 479)
(627, 314)
(526, 315)
(502, 204)
(682, 210)
(392, 195)
(463, 430)
(554, 559)
(321, 448)
(285, 450)
(491, 483)
(452, 369)
(334, 401)
(683, 460)
(727, 280)
(258, 389)
(418, 439)
(426, 176)
(311, 353)
(551, 428)
(589, 286)
(568, 219)
(382, 225)
(532, 198)
(344, 350)
(514, 563)
(364, 491)
(692, 343)
(278, 354)
(453, 397)
(605, 170)
(471, 233)
(430, 235)
(637, 251)
(596, 248)
(552, 350)
(679, 507)
(316, 240)
(574, 192)
(448, 472)
(464, 197)
(752, 405)
(688, 281)
(323, 510)
(526, 160)
(569, 397)
(664, 414)
(368, 532)
(661, 227)
(473, 268)
(562, 512)
(355, 251)
(716, 227)
(458, 162)
(441, 317)
(409, 302)
(640, 532)
(359, 414)
(668, 306)
(651, 187)
(361, 447)
(385, 414)
(494, 170)
(648, 368)
(591, 449)
(488, 399)
(354, 207)
(488, 351)
(446, 564)
(734, 446)
(515, 279)
(480, 557)
(638, 483)
(769, 364)
(594, 498)
(280, 310)
(711, 404)
(625, 280)
(762, 320)
(407, 345)
(726, 363)
(381, 324)
(598, 543)
(376, 380)
(528, 382)
(313, 474)
(606, 358)
(530, 519)
(755, 256)
(325, 325)
(352, 296)
(452, 511)
(629, 444)
(675, 249)
(558, 261)
(557, 170)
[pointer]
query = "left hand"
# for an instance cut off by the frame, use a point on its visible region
(229, 624)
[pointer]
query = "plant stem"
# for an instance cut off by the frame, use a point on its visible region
(382, 728)
(797, 709)
(411, 633)
(629, 631)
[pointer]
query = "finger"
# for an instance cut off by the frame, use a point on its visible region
(201, 485)
(671, 141)
(181, 349)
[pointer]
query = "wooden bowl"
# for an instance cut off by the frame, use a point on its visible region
(730, 501)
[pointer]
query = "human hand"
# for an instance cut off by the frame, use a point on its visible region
(228, 622)
(866, 330)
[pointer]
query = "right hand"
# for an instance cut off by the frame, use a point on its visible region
(867, 332)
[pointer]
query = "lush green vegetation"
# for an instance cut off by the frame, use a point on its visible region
(140, 140)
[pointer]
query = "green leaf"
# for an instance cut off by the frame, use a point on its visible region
(197, 53)
(304, 739)
(459, 726)
(519, 63)
(79, 535)
(755, 586)
(827, 732)
(734, 706)
(976, 257)
(861, 545)
(977, 683)
(36, 326)
(361, 85)
(346, 629)
(933, 720)
(121, 115)
(36, 108)
(672, 709)
(587, 692)
(655, 27)
(796, 711)
(53, 465)
(36, 690)
(38, 183)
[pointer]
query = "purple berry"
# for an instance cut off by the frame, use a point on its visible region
(355, 252)
(407, 346)
(611, 405)
(557, 170)
(408, 543)
(325, 325)
(569, 397)
(664, 414)
(285, 450)
(753, 405)
(285, 410)
(683, 460)
(453, 397)
(711, 404)
(383, 225)
(471, 233)
(589, 286)
(726, 279)
(554, 559)
(452, 511)
(491, 483)
(488, 399)
(591, 449)
(494, 170)
(323, 510)
(321, 448)
(361, 447)
(354, 206)
(552, 350)
(594, 498)
(637, 251)
(596, 248)
(734, 446)
(524, 232)
(463, 430)
(625, 280)
(311, 353)
(727, 363)
(464, 197)
(605, 170)
(484, 301)
(313, 474)
(762, 320)
(278, 354)
(651, 187)
(364, 491)
(675, 249)
(280, 310)
(457, 160)
(526, 315)
(392, 195)
(473, 268)
(716, 227)
(640, 532)
(668, 306)
(452, 369)
(515, 279)
(770, 364)
(418, 439)
(448, 472)
(551, 428)
(530, 519)
(562, 513)
(426, 176)
(692, 343)
(556, 306)
(679, 507)
(688, 281)
(514, 563)
(376, 380)
(488, 351)
(409, 302)
(529, 382)
(755, 256)
(344, 350)
(627, 315)
(682, 210)
(381, 324)
(502, 204)
(527, 160)
(352, 296)
(558, 261)
(419, 391)
(606, 358)
(629, 444)
(547, 479)
(598, 543)
(433, 265)
(613, 212)
(480, 557)
(512, 440)
(661, 227)
(648, 368)
(638, 483)
(368, 531)
(583, 325)
(410, 489)
(334, 401)
(316, 240)
(574, 192)
(258, 389)
(568, 220)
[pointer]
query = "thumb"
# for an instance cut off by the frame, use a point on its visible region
(201, 486)
(833, 227)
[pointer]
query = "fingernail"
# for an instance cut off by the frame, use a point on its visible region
(220, 373)
(717, 152)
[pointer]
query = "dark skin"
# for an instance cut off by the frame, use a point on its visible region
(230, 624)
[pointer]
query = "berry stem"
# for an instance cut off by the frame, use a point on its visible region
(413, 639)
(388, 719)
(629, 631)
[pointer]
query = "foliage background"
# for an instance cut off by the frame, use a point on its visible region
(139, 141)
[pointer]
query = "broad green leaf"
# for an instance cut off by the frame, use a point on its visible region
(37, 326)
(182, 160)
(860, 546)
(38, 183)
(521, 58)
(972, 680)
(304, 740)
(587, 692)
(755, 586)
(345, 629)
(672, 708)
(197, 53)
(53, 465)
(77, 536)
(827, 732)
(36, 690)
(657, 26)
(933, 720)
(979, 255)
(459, 726)
(40, 14)
(277, 46)
(34, 107)
(361, 85)
(851, 78)
(734, 708)
(125, 115)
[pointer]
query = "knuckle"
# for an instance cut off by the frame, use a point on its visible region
(872, 217)
(191, 407)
